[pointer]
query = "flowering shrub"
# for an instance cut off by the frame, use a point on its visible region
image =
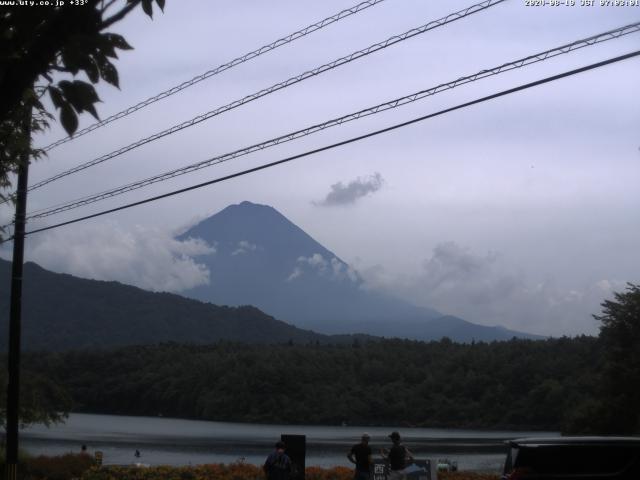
(63, 467)
(238, 471)
(335, 473)
(467, 476)
(233, 471)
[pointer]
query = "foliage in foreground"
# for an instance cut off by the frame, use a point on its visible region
(42, 399)
(234, 471)
(620, 334)
(62, 467)
(82, 466)
(39, 44)
(239, 472)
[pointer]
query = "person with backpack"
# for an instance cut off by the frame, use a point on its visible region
(397, 457)
(277, 466)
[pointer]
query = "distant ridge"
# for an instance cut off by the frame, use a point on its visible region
(264, 259)
(63, 312)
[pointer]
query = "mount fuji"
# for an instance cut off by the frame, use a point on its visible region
(263, 259)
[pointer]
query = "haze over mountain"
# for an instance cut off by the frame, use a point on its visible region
(263, 259)
(63, 312)
(260, 260)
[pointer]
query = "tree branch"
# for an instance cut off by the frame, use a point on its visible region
(104, 8)
(116, 17)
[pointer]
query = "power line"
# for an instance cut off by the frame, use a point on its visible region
(529, 60)
(221, 68)
(278, 86)
(344, 142)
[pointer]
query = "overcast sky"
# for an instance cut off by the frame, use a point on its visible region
(522, 211)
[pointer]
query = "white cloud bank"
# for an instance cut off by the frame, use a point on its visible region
(483, 289)
(245, 246)
(145, 257)
(334, 268)
(480, 288)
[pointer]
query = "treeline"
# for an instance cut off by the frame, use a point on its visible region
(514, 384)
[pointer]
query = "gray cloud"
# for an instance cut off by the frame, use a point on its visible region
(485, 290)
(342, 194)
(145, 257)
(334, 268)
(245, 246)
(565, 222)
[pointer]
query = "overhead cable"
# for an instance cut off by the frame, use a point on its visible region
(219, 69)
(278, 86)
(344, 142)
(529, 60)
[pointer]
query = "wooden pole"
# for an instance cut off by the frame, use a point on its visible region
(15, 314)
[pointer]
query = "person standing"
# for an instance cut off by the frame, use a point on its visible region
(277, 466)
(397, 457)
(360, 455)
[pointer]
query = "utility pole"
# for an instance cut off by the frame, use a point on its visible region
(15, 314)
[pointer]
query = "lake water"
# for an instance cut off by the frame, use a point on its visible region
(167, 441)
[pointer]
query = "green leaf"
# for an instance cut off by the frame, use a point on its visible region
(8, 33)
(66, 87)
(147, 6)
(72, 57)
(28, 96)
(91, 69)
(68, 118)
(85, 92)
(117, 41)
(86, 97)
(92, 110)
(81, 95)
(56, 97)
(69, 64)
(106, 46)
(109, 73)
(72, 95)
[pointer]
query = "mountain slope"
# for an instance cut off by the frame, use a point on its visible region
(265, 260)
(63, 312)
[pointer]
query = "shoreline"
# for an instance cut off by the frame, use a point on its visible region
(189, 442)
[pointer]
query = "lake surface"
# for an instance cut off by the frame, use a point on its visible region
(167, 441)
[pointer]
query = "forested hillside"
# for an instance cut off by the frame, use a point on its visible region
(515, 384)
(63, 312)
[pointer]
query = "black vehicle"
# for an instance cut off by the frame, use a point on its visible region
(576, 458)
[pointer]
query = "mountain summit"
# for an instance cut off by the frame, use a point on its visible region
(263, 259)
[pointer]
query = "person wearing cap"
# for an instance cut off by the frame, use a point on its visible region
(360, 455)
(397, 457)
(277, 466)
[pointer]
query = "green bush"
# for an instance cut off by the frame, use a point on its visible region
(82, 466)
(63, 467)
(238, 472)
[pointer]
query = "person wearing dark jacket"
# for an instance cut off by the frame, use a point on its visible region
(360, 454)
(277, 466)
(397, 457)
